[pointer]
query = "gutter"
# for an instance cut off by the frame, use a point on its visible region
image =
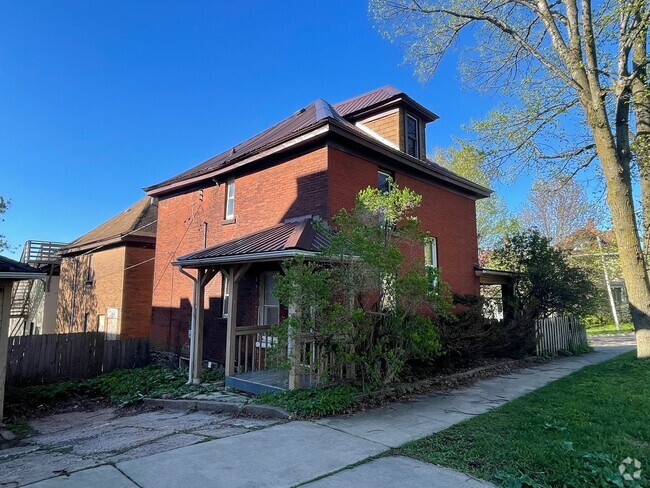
(22, 276)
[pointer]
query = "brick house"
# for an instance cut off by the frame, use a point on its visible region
(106, 276)
(229, 222)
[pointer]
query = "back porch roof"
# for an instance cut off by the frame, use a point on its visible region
(278, 242)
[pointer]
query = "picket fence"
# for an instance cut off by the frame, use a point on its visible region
(55, 357)
(560, 333)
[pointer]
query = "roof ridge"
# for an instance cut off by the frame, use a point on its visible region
(388, 87)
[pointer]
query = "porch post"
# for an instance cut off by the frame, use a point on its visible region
(293, 352)
(197, 327)
(232, 322)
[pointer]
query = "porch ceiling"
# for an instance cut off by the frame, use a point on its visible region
(276, 243)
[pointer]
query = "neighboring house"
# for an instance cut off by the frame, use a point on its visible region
(107, 276)
(10, 272)
(583, 248)
(233, 219)
(34, 302)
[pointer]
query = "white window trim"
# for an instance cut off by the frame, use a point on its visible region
(230, 184)
(225, 293)
(432, 244)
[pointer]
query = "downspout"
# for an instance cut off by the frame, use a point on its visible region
(192, 326)
(74, 292)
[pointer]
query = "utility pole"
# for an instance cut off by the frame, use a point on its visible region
(609, 288)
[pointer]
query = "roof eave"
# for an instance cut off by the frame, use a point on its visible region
(108, 241)
(309, 133)
(17, 275)
(246, 258)
(478, 190)
(312, 133)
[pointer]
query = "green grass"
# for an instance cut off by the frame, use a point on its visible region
(572, 433)
(122, 387)
(610, 328)
(312, 402)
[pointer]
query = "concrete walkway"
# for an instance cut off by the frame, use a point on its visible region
(316, 454)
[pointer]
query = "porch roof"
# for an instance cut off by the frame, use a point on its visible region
(276, 243)
(495, 276)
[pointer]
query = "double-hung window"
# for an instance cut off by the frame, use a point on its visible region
(431, 257)
(412, 136)
(230, 199)
(270, 309)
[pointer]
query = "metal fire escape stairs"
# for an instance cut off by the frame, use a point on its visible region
(43, 255)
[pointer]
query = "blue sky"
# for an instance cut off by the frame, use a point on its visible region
(100, 99)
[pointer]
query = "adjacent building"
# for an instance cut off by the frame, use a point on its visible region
(106, 277)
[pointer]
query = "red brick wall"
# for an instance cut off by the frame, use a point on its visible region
(262, 199)
(138, 283)
(449, 217)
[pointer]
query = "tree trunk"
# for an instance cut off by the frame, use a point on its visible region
(641, 108)
(619, 198)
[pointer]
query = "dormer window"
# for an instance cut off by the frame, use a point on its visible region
(412, 136)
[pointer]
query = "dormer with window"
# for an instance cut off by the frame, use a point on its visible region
(397, 120)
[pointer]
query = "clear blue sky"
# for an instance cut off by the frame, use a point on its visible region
(100, 99)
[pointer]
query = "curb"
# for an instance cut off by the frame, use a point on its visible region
(184, 404)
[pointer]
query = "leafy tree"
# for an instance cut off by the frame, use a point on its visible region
(4, 205)
(547, 282)
(578, 75)
(493, 220)
(363, 302)
(558, 208)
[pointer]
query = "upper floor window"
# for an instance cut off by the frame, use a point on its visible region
(412, 136)
(384, 179)
(230, 199)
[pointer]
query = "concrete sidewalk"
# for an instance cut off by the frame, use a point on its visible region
(299, 452)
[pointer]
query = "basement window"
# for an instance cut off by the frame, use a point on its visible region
(412, 136)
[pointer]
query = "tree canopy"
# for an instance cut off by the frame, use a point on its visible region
(493, 220)
(576, 77)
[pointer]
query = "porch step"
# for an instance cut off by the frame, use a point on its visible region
(256, 382)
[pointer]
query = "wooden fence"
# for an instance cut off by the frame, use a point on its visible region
(560, 333)
(55, 357)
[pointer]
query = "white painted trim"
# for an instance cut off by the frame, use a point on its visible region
(375, 135)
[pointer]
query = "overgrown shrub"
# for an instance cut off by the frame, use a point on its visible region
(368, 304)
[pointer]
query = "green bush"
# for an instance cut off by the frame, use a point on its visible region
(312, 402)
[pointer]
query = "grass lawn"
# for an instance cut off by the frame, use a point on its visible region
(610, 328)
(573, 432)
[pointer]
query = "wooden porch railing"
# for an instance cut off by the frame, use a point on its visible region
(310, 362)
(251, 346)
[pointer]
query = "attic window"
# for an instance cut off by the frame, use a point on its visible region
(412, 136)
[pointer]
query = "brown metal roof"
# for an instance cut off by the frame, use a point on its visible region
(302, 121)
(306, 117)
(366, 100)
(282, 237)
(137, 220)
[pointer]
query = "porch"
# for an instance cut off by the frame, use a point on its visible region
(248, 267)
